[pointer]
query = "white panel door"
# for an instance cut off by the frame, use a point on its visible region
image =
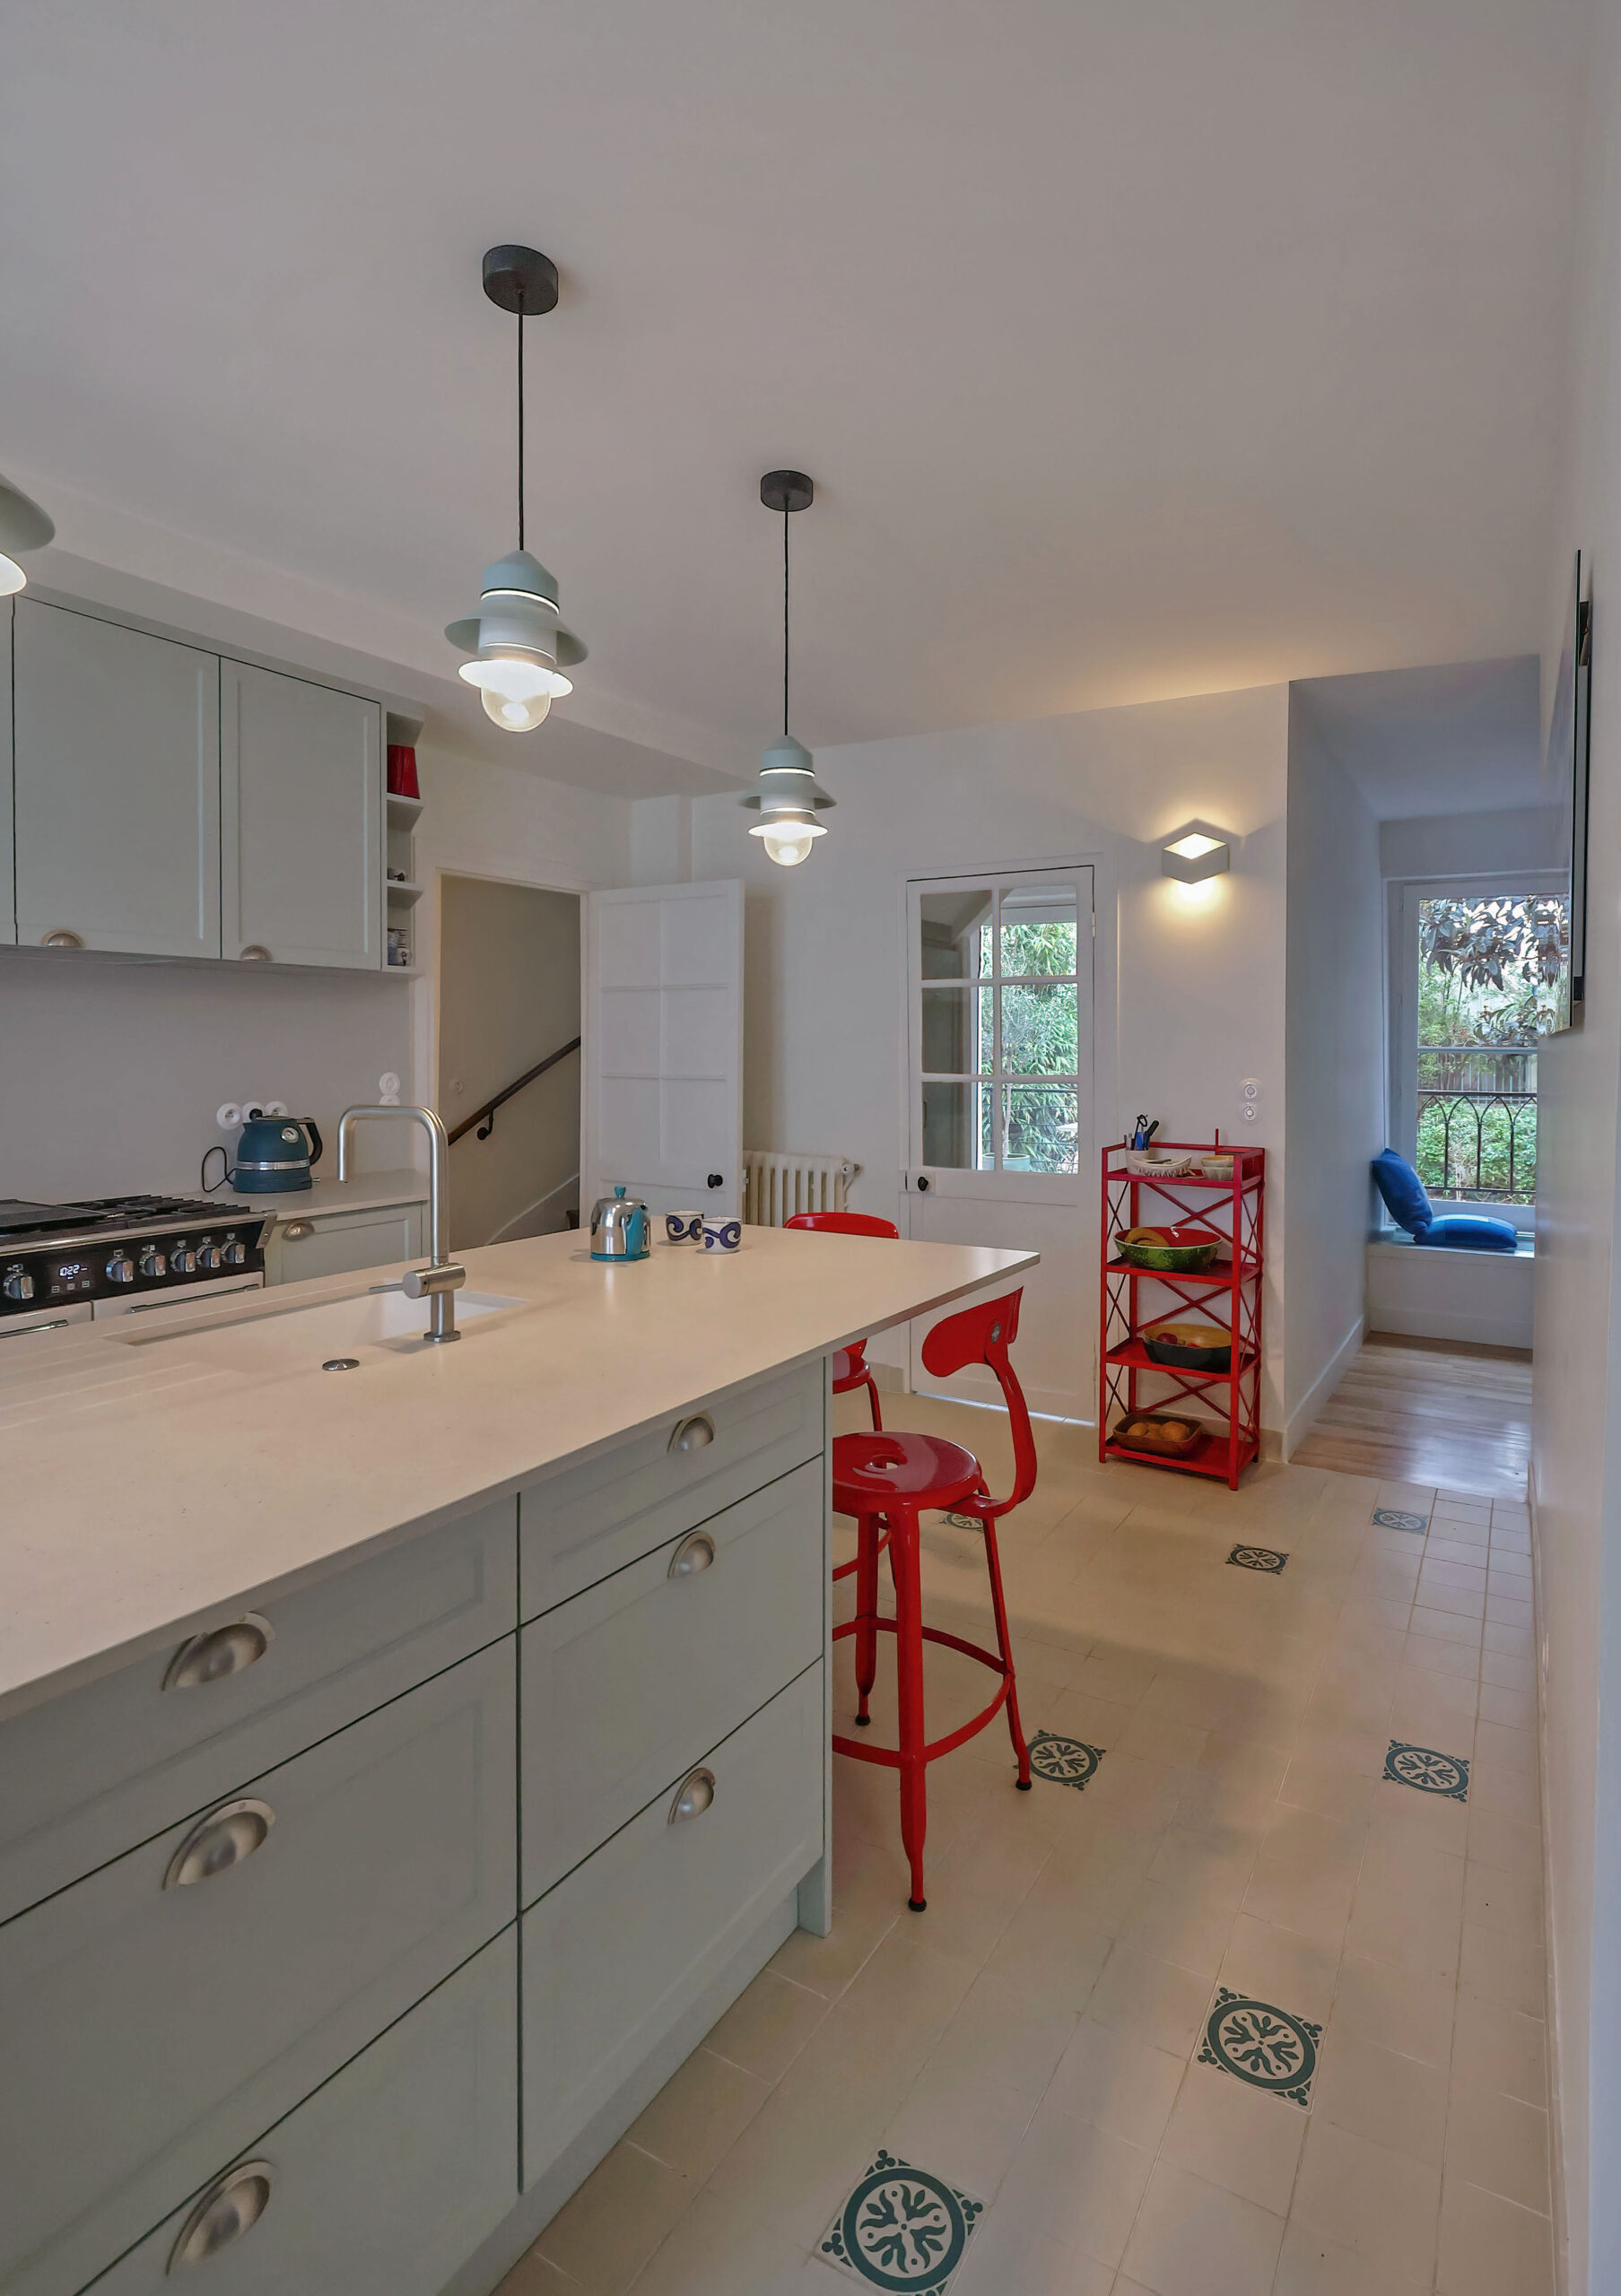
(302, 821)
(661, 1109)
(117, 771)
(1001, 1087)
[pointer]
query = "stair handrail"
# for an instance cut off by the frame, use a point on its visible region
(484, 1117)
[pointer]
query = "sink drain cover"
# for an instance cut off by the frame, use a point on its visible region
(341, 1363)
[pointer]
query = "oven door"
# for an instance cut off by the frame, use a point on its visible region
(182, 1296)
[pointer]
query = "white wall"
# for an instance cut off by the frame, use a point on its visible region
(1576, 1419)
(1191, 992)
(1466, 844)
(114, 1069)
(1334, 1053)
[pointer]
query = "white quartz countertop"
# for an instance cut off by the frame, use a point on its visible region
(366, 1192)
(152, 1484)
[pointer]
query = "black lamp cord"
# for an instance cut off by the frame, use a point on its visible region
(785, 625)
(520, 430)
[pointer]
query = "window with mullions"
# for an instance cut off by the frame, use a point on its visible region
(1000, 987)
(1488, 971)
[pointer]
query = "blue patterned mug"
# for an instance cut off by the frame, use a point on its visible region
(721, 1232)
(684, 1227)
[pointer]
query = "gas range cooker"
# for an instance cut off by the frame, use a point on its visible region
(119, 1247)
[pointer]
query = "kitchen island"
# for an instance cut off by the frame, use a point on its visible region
(403, 1764)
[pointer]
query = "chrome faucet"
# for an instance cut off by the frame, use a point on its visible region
(438, 1282)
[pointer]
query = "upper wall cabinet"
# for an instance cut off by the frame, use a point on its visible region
(116, 810)
(301, 849)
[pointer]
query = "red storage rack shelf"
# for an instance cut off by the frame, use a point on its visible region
(1229, 1292)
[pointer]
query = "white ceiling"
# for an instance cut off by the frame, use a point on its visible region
(1135, 351)
(1461, 738)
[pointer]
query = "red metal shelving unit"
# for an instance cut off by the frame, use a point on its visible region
(1234, 1210)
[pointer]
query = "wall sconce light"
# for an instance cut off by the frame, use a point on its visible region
(1194, 856)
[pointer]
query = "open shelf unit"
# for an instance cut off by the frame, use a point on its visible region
(1229, 1293)
(403, 815)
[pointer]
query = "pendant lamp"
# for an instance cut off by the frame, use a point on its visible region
(787, 797)
(519, 646)
(23, 525)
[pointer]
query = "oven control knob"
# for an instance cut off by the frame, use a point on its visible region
(152, 1262)
(18, 1286)
(211, 1256)
(236, 1255)
(120, 1268)
(183, 1260)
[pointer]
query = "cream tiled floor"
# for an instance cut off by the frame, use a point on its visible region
(1034, 2036)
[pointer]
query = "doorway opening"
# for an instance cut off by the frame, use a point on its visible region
(509, 1057)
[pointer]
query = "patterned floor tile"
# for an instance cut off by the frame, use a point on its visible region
(1397, 1518)
(1262, 2044)
(901, 2228)
(1427, 1772)
(1258, 1558)
(1064, 1762)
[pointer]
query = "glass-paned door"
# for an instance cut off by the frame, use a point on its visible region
(1000, 1100)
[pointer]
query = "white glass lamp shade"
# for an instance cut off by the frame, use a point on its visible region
(518, 641)
(787, 798)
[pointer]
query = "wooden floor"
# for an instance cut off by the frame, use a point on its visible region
(1429, 1411)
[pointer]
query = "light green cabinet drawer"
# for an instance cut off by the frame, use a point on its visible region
(628, 1684)
(580, 1526)
(615, 1954)
(384, 2181)
(165, 2010)
(93, 1772)
(303, 1245)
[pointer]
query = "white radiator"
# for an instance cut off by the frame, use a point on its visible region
(777, 1184)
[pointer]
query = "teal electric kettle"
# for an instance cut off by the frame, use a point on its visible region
(275, 1154)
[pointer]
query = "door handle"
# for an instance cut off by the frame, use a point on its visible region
(717, 1179)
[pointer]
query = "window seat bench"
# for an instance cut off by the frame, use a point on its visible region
(1435, 1292)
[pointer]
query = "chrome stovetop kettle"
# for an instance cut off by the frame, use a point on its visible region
(619, 1227)
(275, 1154)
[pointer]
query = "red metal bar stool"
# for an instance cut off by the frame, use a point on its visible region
(850, 1368)
(886, 1480)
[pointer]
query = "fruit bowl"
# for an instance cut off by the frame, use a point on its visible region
(1158, 1431)
(1191, 1347)
(1169, 1251)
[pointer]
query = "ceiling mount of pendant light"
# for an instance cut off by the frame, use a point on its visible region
(787, 797)
(23, 525)
(519, 644)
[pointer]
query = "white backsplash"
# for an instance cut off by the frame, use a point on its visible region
(112, 1071)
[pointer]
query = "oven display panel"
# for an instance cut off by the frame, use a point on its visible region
(64, 1276)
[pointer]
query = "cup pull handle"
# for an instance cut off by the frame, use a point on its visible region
(227, 1650)
(231, 2205)
(225, 1838)
(696, 1552)
(694, 1434)
(694, 1796)
(62, 938)
(255, 953)
(295, 1231)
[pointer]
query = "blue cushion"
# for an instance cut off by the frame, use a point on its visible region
(1403, 1192)
(1465, 1231)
